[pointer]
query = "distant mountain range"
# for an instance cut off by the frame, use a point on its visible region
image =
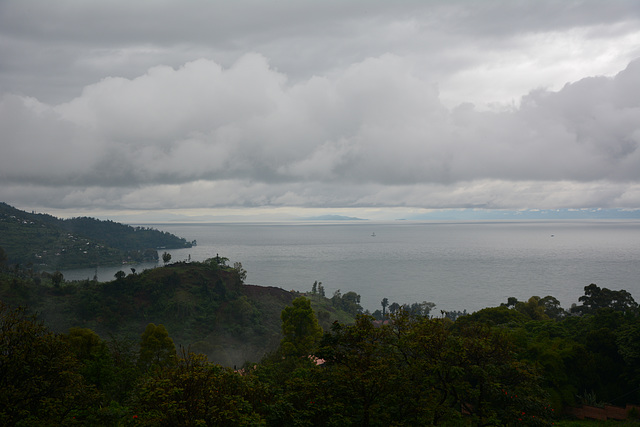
(332, 218)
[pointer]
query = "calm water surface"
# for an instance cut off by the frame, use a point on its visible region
(456, 265)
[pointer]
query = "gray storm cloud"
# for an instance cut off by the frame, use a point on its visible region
(374, 123)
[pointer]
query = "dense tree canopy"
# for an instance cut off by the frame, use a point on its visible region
(40, 382)
(518, 363)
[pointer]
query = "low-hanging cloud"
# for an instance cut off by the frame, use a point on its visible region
(373, 134)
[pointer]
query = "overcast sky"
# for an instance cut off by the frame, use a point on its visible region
(371, 108)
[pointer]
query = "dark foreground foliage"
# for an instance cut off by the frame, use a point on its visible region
(517, 364)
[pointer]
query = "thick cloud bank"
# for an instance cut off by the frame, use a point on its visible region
(373, 134)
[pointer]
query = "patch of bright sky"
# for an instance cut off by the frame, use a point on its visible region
(547, 60)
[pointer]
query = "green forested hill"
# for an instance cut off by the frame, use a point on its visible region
(50, 243)
(204, 305)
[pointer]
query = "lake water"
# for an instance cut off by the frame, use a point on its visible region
(456, 265)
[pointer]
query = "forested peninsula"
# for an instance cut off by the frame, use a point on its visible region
(44, 242)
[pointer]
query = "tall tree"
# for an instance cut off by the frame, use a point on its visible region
(350, 302)
(57, 278)
(394, 307)
(595, 298)
(239, 273)
(156, 347)
(321, 289)
(97, 366)
(300, 328)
